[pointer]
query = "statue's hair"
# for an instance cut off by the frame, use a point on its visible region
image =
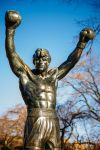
(38, 52)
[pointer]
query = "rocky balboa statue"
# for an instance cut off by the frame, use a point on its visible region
(38, 86)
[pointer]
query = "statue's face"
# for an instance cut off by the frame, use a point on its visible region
(41, 61)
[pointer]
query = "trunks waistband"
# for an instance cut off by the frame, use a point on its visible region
(41, 112)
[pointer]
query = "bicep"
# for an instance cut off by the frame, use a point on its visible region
(16, 64)
(63, 69)
(72, 59)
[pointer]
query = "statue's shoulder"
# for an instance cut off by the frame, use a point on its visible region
(30, 72)
(53, 72)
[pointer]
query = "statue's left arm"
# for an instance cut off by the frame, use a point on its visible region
(85, 35)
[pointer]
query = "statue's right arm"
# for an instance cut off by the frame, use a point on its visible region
(13, 19)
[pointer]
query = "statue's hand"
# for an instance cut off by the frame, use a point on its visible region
(12, 19)
(86, 35)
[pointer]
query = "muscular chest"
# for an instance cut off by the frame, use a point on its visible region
(38, 85)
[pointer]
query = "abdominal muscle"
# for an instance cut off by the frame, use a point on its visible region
(40, 97)
(44, 100)
(38, 93)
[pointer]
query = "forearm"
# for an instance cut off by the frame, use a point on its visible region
(14, 60)
(10, 47)
(76, 54)
(85, 35)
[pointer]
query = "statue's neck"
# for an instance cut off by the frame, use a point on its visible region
(42, 74)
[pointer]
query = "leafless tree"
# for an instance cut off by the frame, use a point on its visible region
(12, 126)
(83, 105)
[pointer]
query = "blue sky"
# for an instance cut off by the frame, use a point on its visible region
(48, 24)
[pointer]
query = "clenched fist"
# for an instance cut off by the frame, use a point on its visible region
(86, 35)
(12, 19)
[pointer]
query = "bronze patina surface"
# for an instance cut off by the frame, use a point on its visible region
(38, 86)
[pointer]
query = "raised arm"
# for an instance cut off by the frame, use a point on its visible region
(12, 21)
(85, 35)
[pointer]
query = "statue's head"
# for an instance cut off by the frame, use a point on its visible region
(41, 59)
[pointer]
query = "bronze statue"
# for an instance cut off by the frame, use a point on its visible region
(38, 87)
